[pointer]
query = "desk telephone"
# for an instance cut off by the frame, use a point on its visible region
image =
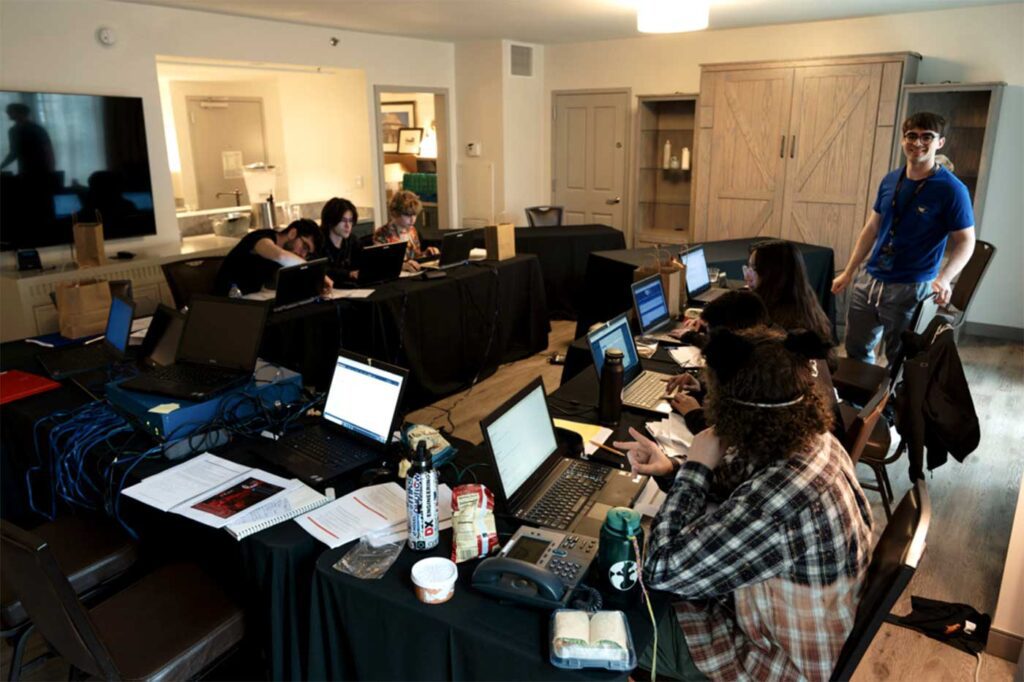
(538, 567)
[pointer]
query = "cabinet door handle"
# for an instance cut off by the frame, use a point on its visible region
(782, 148)
(792, 147)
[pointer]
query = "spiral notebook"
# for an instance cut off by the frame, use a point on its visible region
(299, 500)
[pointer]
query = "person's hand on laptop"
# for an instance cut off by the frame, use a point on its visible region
(328, 285)
(411, 266)
(684, 403)
(645, 457)
(682, 382)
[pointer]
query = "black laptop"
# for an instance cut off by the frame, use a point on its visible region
(358, 420)
(455, 248)
(381, 263)
(65, 362)
(698, 282)
(218, 348)
(299, 284)
(160, 345)
(540, 486)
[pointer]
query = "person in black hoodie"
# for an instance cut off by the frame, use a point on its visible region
(341, 246)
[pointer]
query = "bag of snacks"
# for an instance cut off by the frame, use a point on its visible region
(472, 522)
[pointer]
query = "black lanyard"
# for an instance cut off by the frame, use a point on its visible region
(897, 215)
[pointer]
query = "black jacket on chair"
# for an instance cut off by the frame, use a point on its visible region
(934, 409)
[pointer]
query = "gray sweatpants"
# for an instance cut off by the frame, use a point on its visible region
(879, 310)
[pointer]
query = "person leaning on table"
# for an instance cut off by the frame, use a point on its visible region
(769, 580)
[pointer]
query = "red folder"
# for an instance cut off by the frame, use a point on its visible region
(15, 385)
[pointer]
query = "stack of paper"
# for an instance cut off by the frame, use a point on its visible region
(377, 511)
(672, 435)
(650, 500)
(687, 356)
(349, 293)
(592, 434)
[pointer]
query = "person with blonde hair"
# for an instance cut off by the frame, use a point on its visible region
(403, 209)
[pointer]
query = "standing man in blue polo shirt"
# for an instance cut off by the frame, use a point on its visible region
(919, 208)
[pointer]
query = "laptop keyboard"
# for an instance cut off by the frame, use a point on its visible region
(647, 390)
(563, 500)
(192, 375)
(335, 452)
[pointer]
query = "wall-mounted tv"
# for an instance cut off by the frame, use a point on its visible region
(72, 157)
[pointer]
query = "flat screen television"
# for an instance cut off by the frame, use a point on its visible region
(72, 157)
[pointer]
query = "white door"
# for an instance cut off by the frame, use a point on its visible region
(589, 175)
(226, 134)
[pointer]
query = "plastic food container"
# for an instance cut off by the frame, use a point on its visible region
(576, 657)
(434, 579)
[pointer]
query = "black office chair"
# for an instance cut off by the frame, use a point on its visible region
(893, 562)
(191, 276)
(95, 555)
(967, 283)
(174, 623)
(544, 216)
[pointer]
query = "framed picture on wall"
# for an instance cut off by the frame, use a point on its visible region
(393, 117)
(409, 140)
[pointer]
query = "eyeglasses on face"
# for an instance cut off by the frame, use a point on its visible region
(926, 138)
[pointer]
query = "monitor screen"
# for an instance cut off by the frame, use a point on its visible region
(522, 439)
(363, 398)
(72, 157)
(615, 334)
(225, 332)
(696, 270)
(119, 323)
(651, 308)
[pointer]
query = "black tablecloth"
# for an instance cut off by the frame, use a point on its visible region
(563, 253)
(609, 274)
(447, 332)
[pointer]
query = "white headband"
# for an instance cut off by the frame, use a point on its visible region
(788, 403)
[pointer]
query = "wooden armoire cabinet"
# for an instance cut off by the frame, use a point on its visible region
(795, 149)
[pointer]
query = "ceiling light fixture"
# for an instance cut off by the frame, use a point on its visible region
(671, 16)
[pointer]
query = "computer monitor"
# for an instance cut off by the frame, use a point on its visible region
(119, 323)
(521, 436)
(615, 334)
(364, 396)
(649, 300)
(697, 279)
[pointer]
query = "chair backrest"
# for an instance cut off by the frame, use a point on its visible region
(859, 433)
(191, 276)
(893, 563)
(31, 570)
(970, 277)
(544, 216)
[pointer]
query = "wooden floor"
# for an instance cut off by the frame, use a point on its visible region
(972, 504)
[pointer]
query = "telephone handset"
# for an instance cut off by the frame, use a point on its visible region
(538, 567)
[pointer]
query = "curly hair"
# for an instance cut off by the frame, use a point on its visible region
(405, 203)
(768, 367)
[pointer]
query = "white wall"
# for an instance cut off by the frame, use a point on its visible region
(479, 106)
(971, 45)
(526, 108)
(51, 46)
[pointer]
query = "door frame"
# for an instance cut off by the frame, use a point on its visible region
(445, 182)
(191, 138)
(627, 214)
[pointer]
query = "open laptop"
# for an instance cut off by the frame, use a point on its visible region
(381, 263)
(642, 389)
(358, 420)
(299, 284)
(455, 248)
(160, 345)
(218, 348)
(698, 281)
(652, 310)
(65, 362)
(540, 486)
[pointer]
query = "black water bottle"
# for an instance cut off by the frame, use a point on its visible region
(609, 405)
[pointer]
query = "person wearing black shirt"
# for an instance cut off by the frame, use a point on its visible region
(341, 247)
(255, 259)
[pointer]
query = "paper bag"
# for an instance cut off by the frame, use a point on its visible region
(500, 241)
(82, 307)
(89, 245)
(673, 279)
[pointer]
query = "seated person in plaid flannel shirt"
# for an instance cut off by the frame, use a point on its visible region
(770, 579)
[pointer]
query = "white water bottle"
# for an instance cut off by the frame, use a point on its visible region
(421, 501)
(666, 156)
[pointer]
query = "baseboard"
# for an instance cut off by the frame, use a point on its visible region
(1004, 645)
(994, 331)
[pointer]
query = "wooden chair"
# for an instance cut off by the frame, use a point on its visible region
(893, 563)
(191, 276)
(544, 216)
(174, 623)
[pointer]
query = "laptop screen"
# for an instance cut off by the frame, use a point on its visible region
(615, 334)
(697, 278)
(649, 299)
(225, 332)
(363, 398)
(119, 323)
(522, 439)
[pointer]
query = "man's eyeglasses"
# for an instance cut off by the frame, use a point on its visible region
(925, 138)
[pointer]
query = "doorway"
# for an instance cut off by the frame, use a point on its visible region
(227, 134)
(413, 151)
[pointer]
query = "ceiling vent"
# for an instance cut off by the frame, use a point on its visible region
(522, 60)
